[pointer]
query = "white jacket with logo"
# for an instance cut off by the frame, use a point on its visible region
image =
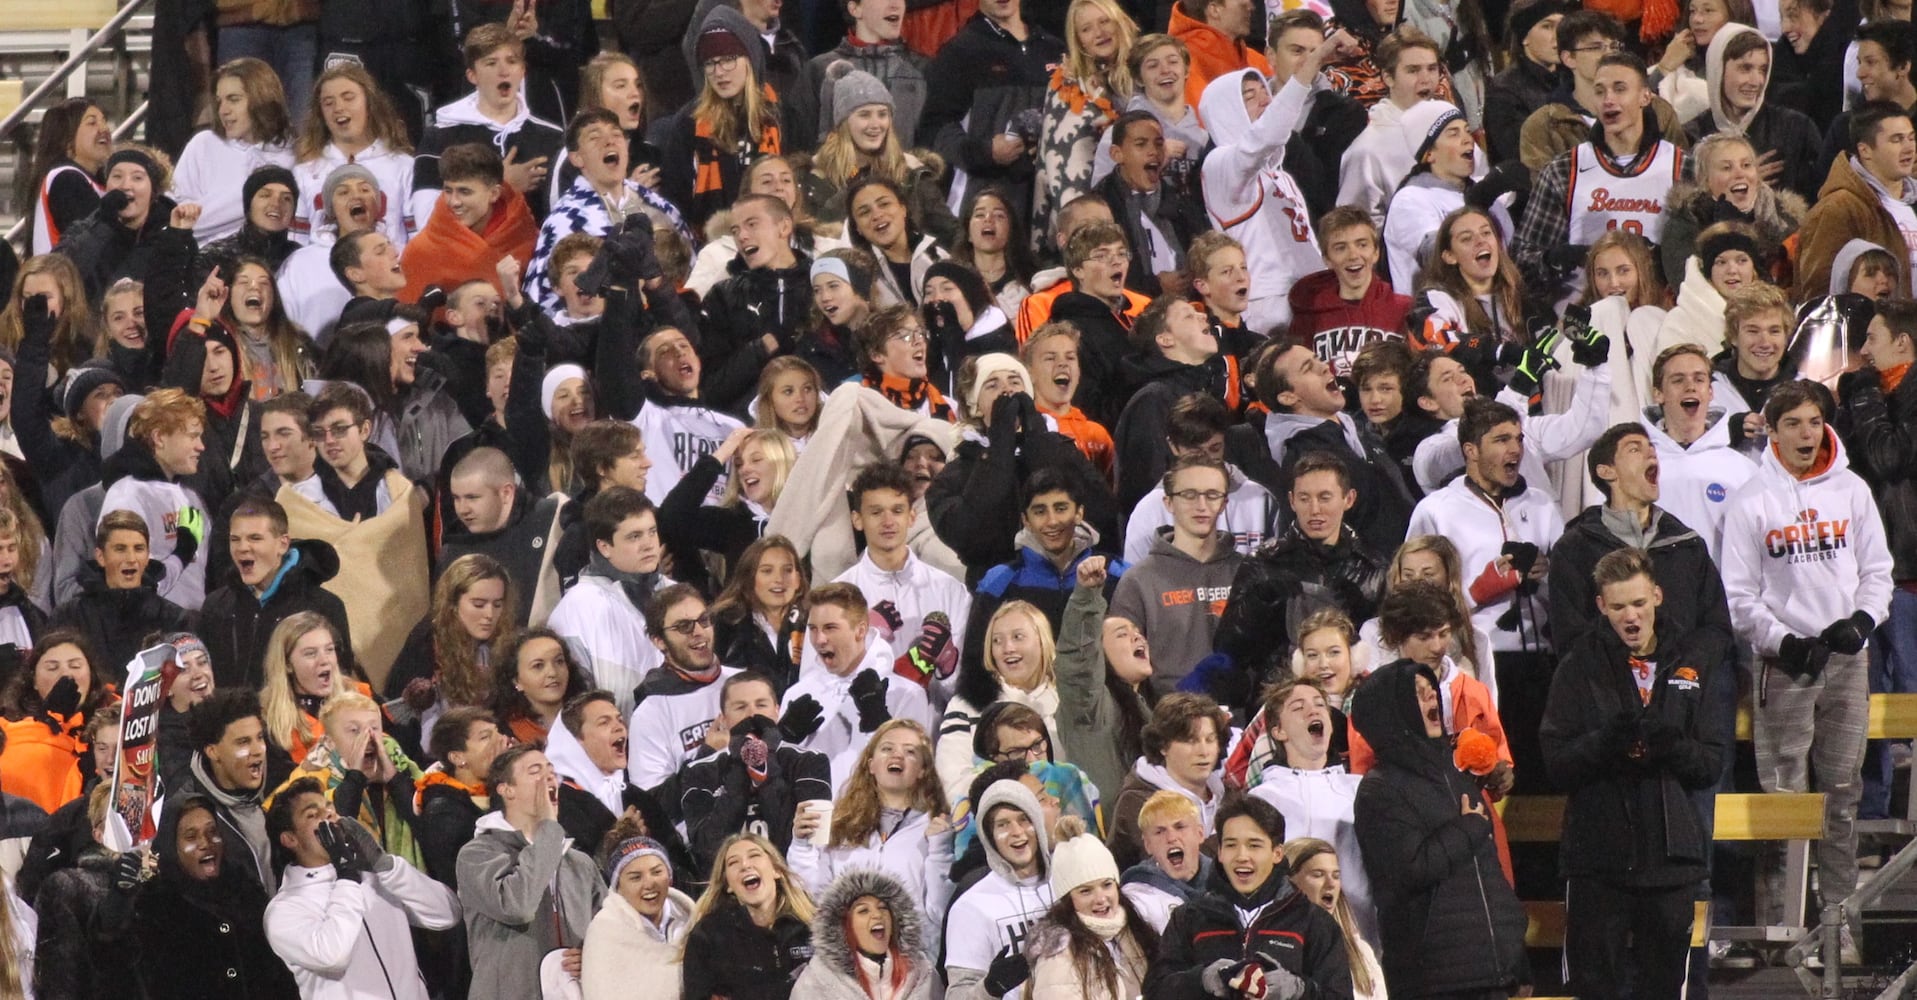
(347, 940)
(1799, 554)
(1479, 530)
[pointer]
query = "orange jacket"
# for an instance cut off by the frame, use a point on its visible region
(1471, 708)
(447, 254)
(40, 765)
(1036, 310)
(1091, 436)
(1212, 53)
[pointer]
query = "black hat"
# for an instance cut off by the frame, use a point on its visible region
(269, 174)
(978, 295)
(81, 382)
(1525, 16)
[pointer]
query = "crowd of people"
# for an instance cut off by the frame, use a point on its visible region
(972, 498)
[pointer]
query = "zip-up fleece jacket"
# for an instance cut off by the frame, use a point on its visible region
(1177, 600)
(1799, 554)
(461, 122)
(510, 887)
(1630, 820)
(345, 939)
(1284, 929)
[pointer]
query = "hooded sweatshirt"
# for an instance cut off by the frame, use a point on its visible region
(604, 618)
(1000, 908)
(1772, 128)
(839, 969)
(134, 481)
(1251, 513)
(1154, 893)
(522, 899)
(1800, 553)
(1852, 205)
(1695, 483)
(462, 122)
(573, 764)
(840, 737)
(1251, 198)
(1176, 599)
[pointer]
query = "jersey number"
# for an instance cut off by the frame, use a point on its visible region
(1300, 226)
(1628, 225)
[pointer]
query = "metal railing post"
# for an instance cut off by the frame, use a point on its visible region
(84, 48)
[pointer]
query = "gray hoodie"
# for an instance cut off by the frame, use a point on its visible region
(1176, 600)
(510, 887)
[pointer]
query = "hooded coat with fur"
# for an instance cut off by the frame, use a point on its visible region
(1690, 209)
(834, 972)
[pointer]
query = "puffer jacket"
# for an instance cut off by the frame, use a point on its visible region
(1630, 820)
(737, 313)
(1286, 930)
(106, 251)
(65, 958)
(1434, 870)
(1277, 589)
(1879, 434)
(834, 972)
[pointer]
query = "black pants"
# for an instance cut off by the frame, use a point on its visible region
(1621, 942)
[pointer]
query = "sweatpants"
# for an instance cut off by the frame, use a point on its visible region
(1621, 942)
(1809, 736)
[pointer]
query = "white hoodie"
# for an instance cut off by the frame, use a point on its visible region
(1550, 437)
(922, 862)
(212, 174)
(347, 940)
(1801, 554)
(1376, 162)
(159, 502)
(1251, 198)
(839, 737)
(1480, 530)
(1695, 484)
(571, 762)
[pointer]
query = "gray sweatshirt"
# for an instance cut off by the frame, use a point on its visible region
(509, 887)
(1176, 600)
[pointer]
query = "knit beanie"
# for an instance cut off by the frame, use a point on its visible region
(1421, 125)
(184, 643)
(717, 42)
(81, 382)
(1079, 859)
(914, 440)
(992, 364)
(553, 380)
(113, 429)
(712, 43)
(978, 295)
(340, 175)
(848, 266)
(271, 174)
(852, 88)
(138, 158)
(1715, 245)
(1526, 16)
(629, 850)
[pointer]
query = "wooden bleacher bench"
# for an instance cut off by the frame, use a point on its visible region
(1795, 818)
(57, 15)
(1894, 717)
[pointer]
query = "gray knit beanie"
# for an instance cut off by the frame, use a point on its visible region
(853, 88)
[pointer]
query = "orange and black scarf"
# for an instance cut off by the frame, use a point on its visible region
(911, 393)
(708, 178)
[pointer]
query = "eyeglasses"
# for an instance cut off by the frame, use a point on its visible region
(909, 337)
(1034, 750)
(691, 625)
(1605, 47)
(328, 432)
(720, 62)
(1210, 497)
(1112, 257)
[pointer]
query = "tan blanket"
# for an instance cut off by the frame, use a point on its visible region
(383, 577)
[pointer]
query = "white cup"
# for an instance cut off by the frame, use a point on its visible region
(821, 834)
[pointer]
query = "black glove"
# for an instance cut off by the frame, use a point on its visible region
(627, 258)
(348, 863)
(129, 872)
(36, 312)
(801, 719)
(941, 321)
(1723, 211)
(64, 699)
(432, 299)
(1801, 657)
(1566, 257)
(1007, 420)
(1621, 733)
(1848, 635)
(1853, 384)
(113, 203)
(1009, 971)
(868, 695)
(1524, 555)
(1511, 175)
(1659, 738)
(1589, 346)
(1532, 363)
(889, 612)
(376, 857)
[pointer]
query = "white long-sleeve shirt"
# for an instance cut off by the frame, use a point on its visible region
(1479, 530)
(1251, 198)
(1551, 437)
(212, 174)
(347, 940)
(839, 736)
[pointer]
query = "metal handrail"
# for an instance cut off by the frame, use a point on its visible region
(121, 131)
(74, 61)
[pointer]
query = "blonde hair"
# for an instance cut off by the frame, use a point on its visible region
(592, 76)
(286, 725)
(165, 411)
(18, 522)
(72, 332)
(382, 122)
(765, 416)
(1047, 645)
(794, 902)
(1165, 806)
(856, 816)
(749, 113)
(778, 448)
(839, 158)
(1304, 849)
(347, 700)
(1081, 68)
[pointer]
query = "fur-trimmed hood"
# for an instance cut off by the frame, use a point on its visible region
(1776, 216)
(828, 926)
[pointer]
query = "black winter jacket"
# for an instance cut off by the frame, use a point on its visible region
(718, 799)
(1694, 600)
(235, 624)
(1383, 510)
(1104, 343)
(446, 820)
(64, 464)
(1509, 98)
(1882, 439)
(67, 963)
(742, 643)
(1630, 819)
(1290, 932)
(117, 622)
(979, 81)
(737, 313)
(727, 955)
(688, 525)
(1808, 82)
(974, 504)
(1138, 437)
(1788, 133)
(105, 250)
(1175, 211)
(1288, 579)
(1448, 921)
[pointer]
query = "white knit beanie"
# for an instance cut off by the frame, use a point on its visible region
(989, 365)
(555, 378)
(1078, 860)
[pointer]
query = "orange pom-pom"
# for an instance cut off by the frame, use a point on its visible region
(1475, 752)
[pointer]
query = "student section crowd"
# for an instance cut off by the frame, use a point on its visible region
(977, 498)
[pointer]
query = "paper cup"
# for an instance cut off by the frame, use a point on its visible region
(823, 834)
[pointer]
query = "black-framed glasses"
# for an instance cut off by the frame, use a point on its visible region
(689, 625)
(1604, 47)
(330, 432)
(1034, 750)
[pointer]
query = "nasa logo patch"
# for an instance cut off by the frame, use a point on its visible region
(1715, 492)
